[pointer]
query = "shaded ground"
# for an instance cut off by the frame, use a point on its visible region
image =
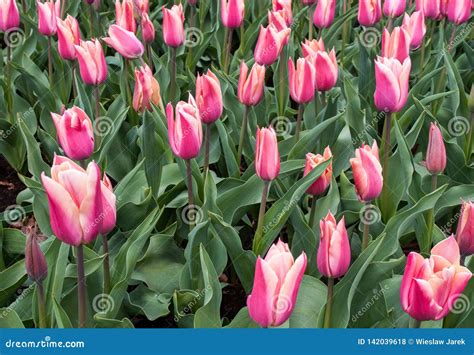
(10, 185)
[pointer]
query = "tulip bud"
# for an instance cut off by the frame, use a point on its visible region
(430, 8)
(68, 36)
(269, 44)
(250, 89)
(310, 48)
(391, 83)
(309, 2)
(75, 133)
(322, 182)
(81, 206)
(285, 7)
(192, 2)
(47, 23)
(148, 29)
(396, 45)
(370, 12)
(394, 8)
(232, 13)
(459, 11)
(302, 80)
(334, 251)
(267, 157)
(415, 26)
(147, 90)
(275, 287)
(326, 70)
(324, 14)
(436, 152)
(184, 129)
(209, 97)
(367, 172)
(124, 42)
(465, 230)
(9, 15)
(95, 3)
(430, 287)
(35, 261)
(124, 16)
(92, 65)
(173, 26)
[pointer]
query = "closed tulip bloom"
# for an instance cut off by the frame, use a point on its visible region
(232, 13)
(269, 44)
(391, 83)
(465, 230)
(285, 7)
(81, 206)
(436, 152)
(192, 2)
(275, 287)
(310, 48)
(458, 11)
(396, 44)
(430, 287)
(47, 23)
(302, 80)
(124, 42)
(322, 183)
(68, 37)
(251, 87)
(367, 172)
(35, 261)
(9, 15)
(370, 12)
(415, 26)
(147, 90)
(209, 97)
(394, 8)
(334, 251)
(309, 2)
(430, 8)
(124, 15)
(324, 14)
(267, 157)
(95, 3)
(184, 129)
(326, 70)
(173, 26)
(148, 29)
(92, 65)
(75, 133)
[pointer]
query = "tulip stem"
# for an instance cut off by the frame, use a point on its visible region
(327, 315)
(189, 179)
(414, 323)
(243, 129)
(261, 216)
(24, 6)
(105, 246)
(390, 24)
(386, 147)
(63, 8)
(74, 87)
(81, 287)
(91, 20)
(298, 121)
(172, 89)
(128, 91)
(228, 47)
(281, 80)
(365, 235)
(50, 62)
(430, 220)
(97, 102)
(469, 140)
(345, 30)
(312, 213)
(41, 304)
(9, 90)
(310, 22)
(208, 148)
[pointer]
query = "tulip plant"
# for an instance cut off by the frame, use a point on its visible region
(208, 164)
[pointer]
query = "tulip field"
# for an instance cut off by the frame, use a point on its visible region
(236, 164)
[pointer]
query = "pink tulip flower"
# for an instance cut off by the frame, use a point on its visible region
(436, 152)
(124, 15)
(269, 44)
(142, 7)
(324, 14)
(124, 42)
(147, 90)
(465, 230)
(47, 23)
(285, 7)
(35, 261)
(326, 70)
(394, 8)
(9, 15)
(232, 13)
(68, 37)
(302, 80)
(415, 26)
(148, 29)
(396, 44)
(92, 65)
(267, 157)
(173, 26)
(370, 12)
(310, 48)
(322, 183)
(458, 11)
(367, 172)
(251, 87)
(430, 8)
(209, 97)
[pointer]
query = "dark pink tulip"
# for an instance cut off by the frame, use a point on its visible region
(302, 80)
(322, 183)
(394, 8)
(275, 287)
(35, 261)
(326, 70)
(458, 11)
(148, 29)
(75, 133)
(250, 89)
(68, 37)
(47, 22)
(391, 83)
(367, 172)
(209, 97)
(396, 44)
(232, 13)
(267, 157)
(184, 129)
(173, 26)
(124, 15)
(415, 27)
(436, 152)
(9, 15)
(92, 63)
(430, 8)
(334, 251)
(125, 42)
(430, 287)
(465, 230)
(147, 90)
(269, 44)
(324, 13)
(81, 206)
(370, 12)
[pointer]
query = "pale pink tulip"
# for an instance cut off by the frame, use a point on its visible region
(367, 172)
(250, 89)
(322, 183)
(267, 157)
(9, 15)
(232, 13)
(68, 37)
(465, 230)
(92, 65)
(209, 97)
(436, 152)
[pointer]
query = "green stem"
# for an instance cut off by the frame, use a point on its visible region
(281, 79)
(189, 179)
(261, 216)
(470, 139)
(228, 46)
(415, 323)
(74, 87)
(97, 101)
(50, 62)
(345, 31)
(365, 235)
(105, 246)
(327, 315)
(91, 20)
(390, 24)
(430, 219)
(9, 91)
(312, 214)
(310, 22)
(81, 287)
(208, 148)
(41, 304)
(386, 147)
(298, 121)
(172, 89)
(243, 129)
(63, 8)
